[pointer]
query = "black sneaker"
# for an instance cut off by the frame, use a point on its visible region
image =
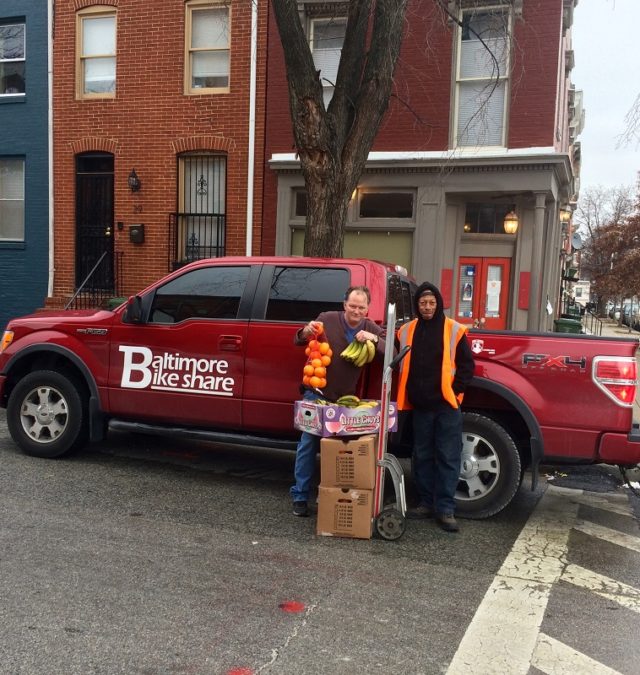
(447, 522)
(421, 512)
(300, 509)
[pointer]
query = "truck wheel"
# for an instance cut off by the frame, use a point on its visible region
(46, 414)
(490, 470)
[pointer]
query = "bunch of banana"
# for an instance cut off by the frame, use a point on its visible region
(359, 353)
(348, 401)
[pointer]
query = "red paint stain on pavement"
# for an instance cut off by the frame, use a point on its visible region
(240, 671)
(292, 606)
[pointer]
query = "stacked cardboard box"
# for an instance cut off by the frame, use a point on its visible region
(347, 480)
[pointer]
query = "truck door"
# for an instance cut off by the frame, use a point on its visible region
(483, 292)
(185, 364)
(288, 296)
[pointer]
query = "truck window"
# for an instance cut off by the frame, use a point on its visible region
(399, 291)
(300, 293)
(205, 293)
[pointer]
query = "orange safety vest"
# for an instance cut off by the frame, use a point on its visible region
(452, 334)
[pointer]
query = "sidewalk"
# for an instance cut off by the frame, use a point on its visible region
(610, 328)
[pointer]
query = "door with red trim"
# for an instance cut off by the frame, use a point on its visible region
(483, 292)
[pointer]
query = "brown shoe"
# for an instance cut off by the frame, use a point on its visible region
(447, 522)
(421, 512)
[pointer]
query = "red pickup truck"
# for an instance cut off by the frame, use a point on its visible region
(208, 352)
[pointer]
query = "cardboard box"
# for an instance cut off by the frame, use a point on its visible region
(348, 462)
(344, 512)
(336, 420)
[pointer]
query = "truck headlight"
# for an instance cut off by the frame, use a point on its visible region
(7, 339)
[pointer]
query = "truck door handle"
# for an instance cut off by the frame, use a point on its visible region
(230, 343)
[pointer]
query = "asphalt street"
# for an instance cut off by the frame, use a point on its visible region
(144, 555)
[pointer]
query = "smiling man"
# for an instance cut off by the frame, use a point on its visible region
(340, 328)
(432, 381)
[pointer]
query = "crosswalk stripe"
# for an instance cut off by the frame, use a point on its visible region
(555, 658)
(604, 586)
(608, 534)
(614, 503)
(503, 633)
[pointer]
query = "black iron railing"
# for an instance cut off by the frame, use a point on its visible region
(194, 236)
(592, 324)
(91, 293)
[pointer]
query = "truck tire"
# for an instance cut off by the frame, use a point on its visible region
(46, 414)
(490, 471)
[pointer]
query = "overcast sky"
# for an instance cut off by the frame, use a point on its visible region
(606, 44)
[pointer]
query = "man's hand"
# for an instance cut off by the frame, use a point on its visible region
(313, 328)
(364, 335)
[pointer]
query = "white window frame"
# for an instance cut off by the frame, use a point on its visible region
(190, 9)
(488, 84)
(328, 78)
(20, 60)
(4, 161)
(92, 13)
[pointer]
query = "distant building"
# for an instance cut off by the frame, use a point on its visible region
(460, 149)
(24, 159)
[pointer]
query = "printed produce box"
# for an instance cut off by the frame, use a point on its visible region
(331, 419)
(344, 512)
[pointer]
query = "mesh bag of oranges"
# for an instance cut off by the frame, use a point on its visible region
(318, 351)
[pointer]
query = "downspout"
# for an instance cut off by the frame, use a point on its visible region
(252, 124)
(50, 139)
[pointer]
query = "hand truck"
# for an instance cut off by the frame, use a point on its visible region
(389, 520)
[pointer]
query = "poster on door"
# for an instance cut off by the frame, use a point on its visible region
(493, 296)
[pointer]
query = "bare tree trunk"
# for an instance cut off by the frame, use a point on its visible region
(333, 144)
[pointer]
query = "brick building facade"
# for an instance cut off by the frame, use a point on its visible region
(153, 119)
(441, 178)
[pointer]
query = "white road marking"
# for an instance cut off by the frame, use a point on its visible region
(555, 658)
(610, 502)
(606, 587)
(504, 634)
(608, 534)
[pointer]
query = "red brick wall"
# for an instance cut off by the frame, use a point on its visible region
(147, 124)
(419, 111)
(534, 78)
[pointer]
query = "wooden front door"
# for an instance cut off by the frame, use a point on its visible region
(483, 292)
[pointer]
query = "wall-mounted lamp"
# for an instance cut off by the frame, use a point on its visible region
(133, 181)
(511, 222)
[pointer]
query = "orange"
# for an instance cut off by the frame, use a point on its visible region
(316, 363)
(325, 360)
(307, 351)
(315, 381)
(315, 354)
(323, 383)
(330, 353)
(305, 380)
(308, 370)
(320, 371)
(313, 344)
(323, 347)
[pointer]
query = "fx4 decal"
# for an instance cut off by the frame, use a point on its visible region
(547, 361)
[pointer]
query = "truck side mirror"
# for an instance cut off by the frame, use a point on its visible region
(133, 311)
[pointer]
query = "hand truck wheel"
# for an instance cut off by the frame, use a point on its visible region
(390, 524)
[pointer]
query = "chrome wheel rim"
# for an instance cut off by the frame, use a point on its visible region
(44, 415)
(479, 468)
